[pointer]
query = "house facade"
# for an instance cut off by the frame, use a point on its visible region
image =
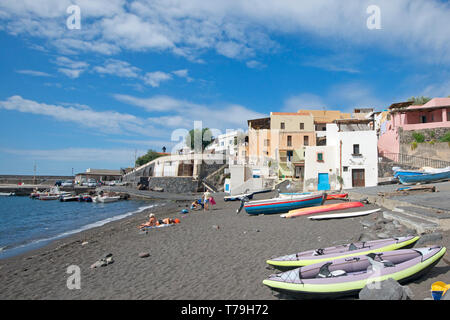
(350, 152)
(407, 117)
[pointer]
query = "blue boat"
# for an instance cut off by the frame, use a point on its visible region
(424, 178)
(407, 173)
(281, 205)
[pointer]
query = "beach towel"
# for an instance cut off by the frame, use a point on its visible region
(213, 202)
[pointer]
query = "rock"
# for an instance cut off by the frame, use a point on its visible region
(364, 237)
(383, 235)
(385, 290)
(368, 223)
(429, 238)
(84, 243)
(144, 255)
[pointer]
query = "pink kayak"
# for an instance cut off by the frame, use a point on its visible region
(320, 209)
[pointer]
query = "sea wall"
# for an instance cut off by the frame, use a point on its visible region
(174, 184)
(30, 179)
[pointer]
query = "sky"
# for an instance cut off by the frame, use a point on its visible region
(95, 83)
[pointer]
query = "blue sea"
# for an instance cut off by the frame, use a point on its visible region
(27, 224)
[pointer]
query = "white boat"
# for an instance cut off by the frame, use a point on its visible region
(7, 194)
(53, 194)
(106, 199)
(49, 197)
(344, 215)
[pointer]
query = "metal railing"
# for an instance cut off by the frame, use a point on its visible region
(413, 161)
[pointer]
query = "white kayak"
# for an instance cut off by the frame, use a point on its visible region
(344, 215)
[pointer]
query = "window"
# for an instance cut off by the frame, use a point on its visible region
(319, 156)
(289, 141)
(302, 126)
(345, 169)
(305, 140)
(282, 126)
(423, 119)
(356, 149)
(290, 154)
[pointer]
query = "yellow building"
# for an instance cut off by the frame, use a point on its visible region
(280, 138)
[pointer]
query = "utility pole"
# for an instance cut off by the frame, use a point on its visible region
(135, 157)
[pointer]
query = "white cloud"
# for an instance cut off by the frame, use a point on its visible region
(71, 68)
(119, 155)
(101, 121)
(118, 68)
(183, 113)
(253, 64)
(154, 79)
(183, 73)
(34, 73)
(233, 28)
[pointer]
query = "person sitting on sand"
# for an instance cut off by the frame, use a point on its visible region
(197, 204)
(150, 223)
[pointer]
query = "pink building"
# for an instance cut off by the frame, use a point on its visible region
(433, 114)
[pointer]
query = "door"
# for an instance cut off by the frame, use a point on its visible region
(298, 172)
(358, 178)
(324, 182)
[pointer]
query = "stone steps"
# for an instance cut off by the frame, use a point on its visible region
(419, 219)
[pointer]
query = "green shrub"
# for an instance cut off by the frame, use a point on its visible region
(413, 145)
(418, 137)
(445, 137)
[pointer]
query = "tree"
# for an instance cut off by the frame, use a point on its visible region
(146, 158)
(197, 139)
(419, 100)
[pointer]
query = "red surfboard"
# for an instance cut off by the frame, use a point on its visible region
(319, 209)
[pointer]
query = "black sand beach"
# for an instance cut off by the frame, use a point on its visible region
(215, 254)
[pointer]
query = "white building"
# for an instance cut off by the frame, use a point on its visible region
(350, 152)
(226, 143)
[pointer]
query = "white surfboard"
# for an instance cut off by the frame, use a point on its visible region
(344, 215)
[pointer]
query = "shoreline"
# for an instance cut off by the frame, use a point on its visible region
(210, 255)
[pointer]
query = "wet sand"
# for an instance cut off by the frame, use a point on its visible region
(215, 254)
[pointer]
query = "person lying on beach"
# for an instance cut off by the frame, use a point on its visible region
(150, 223)
(167, 221)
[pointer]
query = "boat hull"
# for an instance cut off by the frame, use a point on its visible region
(424, 178)
(320, 209)
(332, 253)
(407, 265)
(279, 205)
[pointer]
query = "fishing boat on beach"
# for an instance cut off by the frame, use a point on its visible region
(333, 196)
(279, 205)
(425, 177)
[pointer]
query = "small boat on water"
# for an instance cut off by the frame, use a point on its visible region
(348, 276)
(106, 199)
(343, 251)
(7, 194)
(279, 205)
(323, 208)
(424, 178)
(85, 198)
(70, 198)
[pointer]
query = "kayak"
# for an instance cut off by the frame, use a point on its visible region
(348, 250)
(278, 205)
(344, 277)
(344, 215)
(337, 196)
(323, 208)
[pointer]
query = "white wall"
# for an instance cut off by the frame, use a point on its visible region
(367, 140)
(313, 167)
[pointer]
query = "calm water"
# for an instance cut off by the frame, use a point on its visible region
(27, 224)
